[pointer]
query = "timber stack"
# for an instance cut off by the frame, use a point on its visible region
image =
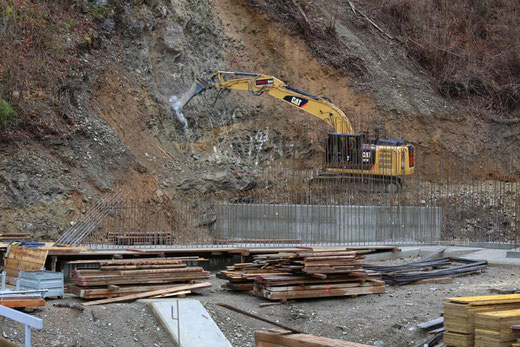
(123, 277)
(516, 328)
(476, 321)
(495, 329)
(241, 276)
(305, 274)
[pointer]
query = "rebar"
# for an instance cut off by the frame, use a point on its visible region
(445, 201)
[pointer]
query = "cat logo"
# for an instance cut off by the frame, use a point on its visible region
(296, 100)
(265, 82)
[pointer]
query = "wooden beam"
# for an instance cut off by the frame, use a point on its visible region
(23, 303)
(149, 294)
(283, 339)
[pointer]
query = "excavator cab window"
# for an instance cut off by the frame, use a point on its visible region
(344, 150)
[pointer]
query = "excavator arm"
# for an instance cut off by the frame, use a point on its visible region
(258, 84)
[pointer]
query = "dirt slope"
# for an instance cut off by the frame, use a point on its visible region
(117, 130)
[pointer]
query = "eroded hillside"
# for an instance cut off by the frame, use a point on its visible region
(94, 116)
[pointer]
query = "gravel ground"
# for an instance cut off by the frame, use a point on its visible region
(388, 319)
(129, 324)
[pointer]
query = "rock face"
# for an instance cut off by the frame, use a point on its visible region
(217, 181)
(123, 134)
(172, 39)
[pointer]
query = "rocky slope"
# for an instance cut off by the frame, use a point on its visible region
(118, 132)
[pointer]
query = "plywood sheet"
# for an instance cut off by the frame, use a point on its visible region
(25, 259)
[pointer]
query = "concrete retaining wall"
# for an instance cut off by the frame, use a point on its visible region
(328, 223)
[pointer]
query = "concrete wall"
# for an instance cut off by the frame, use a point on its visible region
(328, 223)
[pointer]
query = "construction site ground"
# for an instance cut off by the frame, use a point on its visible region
(388, 319)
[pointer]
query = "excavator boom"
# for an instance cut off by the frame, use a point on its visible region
(258, 84)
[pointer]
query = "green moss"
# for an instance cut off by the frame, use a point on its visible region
(6, 112)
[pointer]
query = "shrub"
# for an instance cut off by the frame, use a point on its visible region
(471, 48)
(6, 112)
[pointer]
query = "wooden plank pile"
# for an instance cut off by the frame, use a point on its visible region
(172, 290)
(494, 329)
(284, 338)
(241, 276)
(123, 277)
(304, 274)
(460, 315)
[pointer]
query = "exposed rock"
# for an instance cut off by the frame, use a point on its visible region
(172, 40)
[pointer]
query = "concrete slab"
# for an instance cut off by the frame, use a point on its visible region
(197, 328)
(494, 257)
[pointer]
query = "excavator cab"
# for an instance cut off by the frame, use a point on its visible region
(346, 151)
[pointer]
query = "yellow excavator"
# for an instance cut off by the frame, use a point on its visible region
(348, 154)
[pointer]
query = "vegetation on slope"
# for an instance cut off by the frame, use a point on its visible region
(471, 47)
(305, 19)
(39, 58)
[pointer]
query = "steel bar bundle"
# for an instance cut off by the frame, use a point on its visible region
(438, 268)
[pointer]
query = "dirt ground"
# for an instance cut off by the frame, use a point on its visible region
(388, 319)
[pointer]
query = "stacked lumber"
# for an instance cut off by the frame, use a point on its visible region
(460, 314)
(304, 274)
(172, 290)
(123, 277)
(494, 329)
(241, 276)
(516, 327)
(284, 338)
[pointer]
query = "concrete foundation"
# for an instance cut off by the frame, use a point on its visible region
(328, 223)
